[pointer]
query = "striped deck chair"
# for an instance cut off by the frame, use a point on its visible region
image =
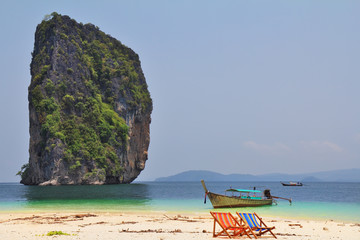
(252, 220)
(230, 226)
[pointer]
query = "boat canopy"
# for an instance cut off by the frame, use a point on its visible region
(243, 190)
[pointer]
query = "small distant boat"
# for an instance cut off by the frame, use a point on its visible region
(293, 184)
(245, 198)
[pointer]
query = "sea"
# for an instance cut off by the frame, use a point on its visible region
(317, 201)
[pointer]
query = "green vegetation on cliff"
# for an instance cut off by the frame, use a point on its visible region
(82, 80)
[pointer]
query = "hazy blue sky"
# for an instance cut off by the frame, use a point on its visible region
(238, 86)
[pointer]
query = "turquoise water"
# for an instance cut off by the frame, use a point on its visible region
(337, 201)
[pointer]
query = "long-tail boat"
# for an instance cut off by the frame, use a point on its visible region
(292, 184)
(245, 198)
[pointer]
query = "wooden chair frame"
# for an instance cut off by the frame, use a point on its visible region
(233, 226)
(262, 227)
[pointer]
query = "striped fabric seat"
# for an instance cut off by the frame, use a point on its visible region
(229, 225)
(255, 223)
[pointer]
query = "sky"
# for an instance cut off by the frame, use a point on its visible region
(250, 87)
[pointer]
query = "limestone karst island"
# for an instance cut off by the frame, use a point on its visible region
(89, 105)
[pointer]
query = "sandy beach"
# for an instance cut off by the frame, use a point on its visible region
(155, 225)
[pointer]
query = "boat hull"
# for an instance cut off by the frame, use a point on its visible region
(292, 185)
(222, 201)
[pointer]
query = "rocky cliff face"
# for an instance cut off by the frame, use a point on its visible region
(89, 107)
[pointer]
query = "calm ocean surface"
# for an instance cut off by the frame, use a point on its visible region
(337, 201)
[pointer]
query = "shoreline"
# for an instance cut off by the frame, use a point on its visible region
(186, 211)
(155, 225)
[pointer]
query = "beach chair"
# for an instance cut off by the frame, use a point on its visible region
(230, 226)
(252, 220)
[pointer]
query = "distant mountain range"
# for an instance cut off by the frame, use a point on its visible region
(345, 175)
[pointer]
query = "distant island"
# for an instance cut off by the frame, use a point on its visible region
(345, 175)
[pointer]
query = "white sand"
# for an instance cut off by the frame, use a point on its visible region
(155, 225)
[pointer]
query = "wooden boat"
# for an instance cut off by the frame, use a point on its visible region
(293, 184)
(246, 198)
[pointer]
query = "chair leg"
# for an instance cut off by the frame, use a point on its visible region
(247, 234)
(214, 229)
(263, 223)
(220, 233)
